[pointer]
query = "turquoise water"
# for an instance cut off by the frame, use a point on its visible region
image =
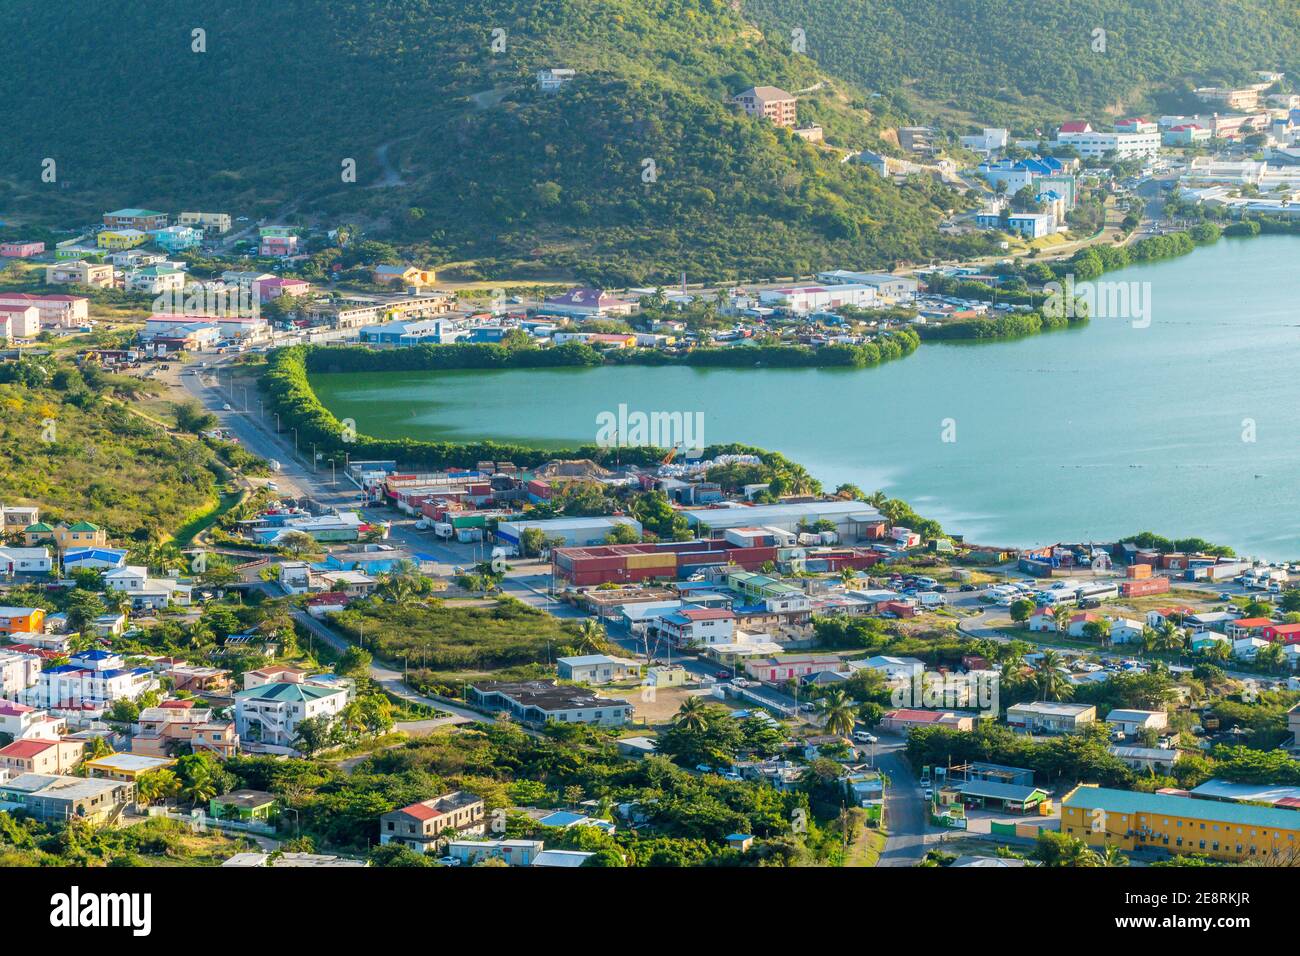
(1084, 434)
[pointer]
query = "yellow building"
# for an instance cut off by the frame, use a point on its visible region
(121, 238)
(1219, 830)
(126, 767)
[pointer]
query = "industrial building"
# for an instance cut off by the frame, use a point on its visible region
(675, 560)
(573, 532)
(853, 520)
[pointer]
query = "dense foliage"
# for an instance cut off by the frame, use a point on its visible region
(470, 163)
(1023, 62)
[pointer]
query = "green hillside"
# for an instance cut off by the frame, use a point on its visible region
(1026, 62)
(458, 156)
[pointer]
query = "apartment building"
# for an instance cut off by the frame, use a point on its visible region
(210, 222)
(1234, 832)
(769, 103)
(80, 272)
(421, 825)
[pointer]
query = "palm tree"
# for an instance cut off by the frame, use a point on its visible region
(200, 787)
(1271, 656)
(1061, 615)
(691, 715)
(839, 711)
(1110, 856)
(1052, 684)
(591, 635)
(156, 785)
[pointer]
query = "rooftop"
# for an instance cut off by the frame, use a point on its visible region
(1128, 801)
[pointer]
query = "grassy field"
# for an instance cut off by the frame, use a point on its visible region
(447, 638)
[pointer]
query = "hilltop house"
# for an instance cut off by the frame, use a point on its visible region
(768, 102)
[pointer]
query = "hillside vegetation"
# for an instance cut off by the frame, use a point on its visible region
(458, 157)
(1023, 61)
(70, 445)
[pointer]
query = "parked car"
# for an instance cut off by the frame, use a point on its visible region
(449, 860)
(862, 737)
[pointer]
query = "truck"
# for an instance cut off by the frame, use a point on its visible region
(930, 598)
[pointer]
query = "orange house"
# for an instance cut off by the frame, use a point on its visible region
(18, 620)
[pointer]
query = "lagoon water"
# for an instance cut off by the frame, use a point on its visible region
(1190, 426)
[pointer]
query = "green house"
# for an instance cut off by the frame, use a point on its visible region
(244, 805)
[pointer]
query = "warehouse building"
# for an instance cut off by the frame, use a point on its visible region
(853, 520)
(573, 532)
(675, 560)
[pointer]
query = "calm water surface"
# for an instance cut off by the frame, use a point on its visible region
(1084, 434)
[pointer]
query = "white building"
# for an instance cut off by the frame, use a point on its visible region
(705, 626)
(897, 288)
(597, 668)
(812, 298)
(550, 80)
(892, 667)
(147, 592)
(21, 321)
(1124, 630)
(575, 532)
(987, 140)
(1136, 721)
(91, 680)
(25, 561)
(28, 723)
(1092, 144)
(268, 715)
(18, 672)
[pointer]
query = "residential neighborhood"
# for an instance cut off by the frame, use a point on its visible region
(652, 438)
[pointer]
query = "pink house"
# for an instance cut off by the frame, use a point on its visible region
(21, 250)
(779, 670)
(279, 245)
(268, 289)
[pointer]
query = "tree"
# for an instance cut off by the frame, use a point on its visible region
(1272, 656)
(1052, 684)
(1098, 630)
(622, 533)
(591, 636)
(297, 543)
(314, 735)
(156, 785)
(1021, 609)
(354, 663)
(839, 712)
(691, 714)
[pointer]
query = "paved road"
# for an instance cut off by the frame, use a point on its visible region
(905, 809)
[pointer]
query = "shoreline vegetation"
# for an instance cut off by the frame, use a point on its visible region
(287, 384)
